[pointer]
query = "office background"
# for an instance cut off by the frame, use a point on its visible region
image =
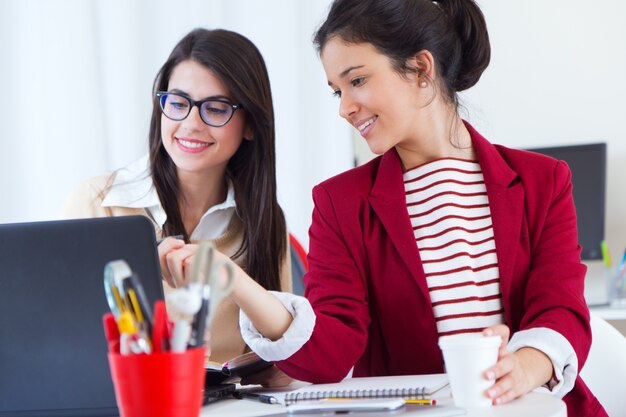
(77, 78)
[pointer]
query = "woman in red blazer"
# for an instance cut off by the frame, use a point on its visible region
(369, 293)
(397, 66)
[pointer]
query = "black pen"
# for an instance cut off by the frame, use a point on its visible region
(133, 283)
(267, 399)
(198, 325)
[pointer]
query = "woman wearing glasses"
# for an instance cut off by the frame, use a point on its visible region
(209, 173)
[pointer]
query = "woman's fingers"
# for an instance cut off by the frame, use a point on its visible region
(176, 260)
(166, 246)
(179, 263)
(507, 389)
(503, 331)
(505, 373)
(505, 365)
(517, 373)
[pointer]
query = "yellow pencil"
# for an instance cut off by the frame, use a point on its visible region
(421, 402)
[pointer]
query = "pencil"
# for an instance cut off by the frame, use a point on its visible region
(267, 399)
(421, 402)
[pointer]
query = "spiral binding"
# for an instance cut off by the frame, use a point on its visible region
(418, 393)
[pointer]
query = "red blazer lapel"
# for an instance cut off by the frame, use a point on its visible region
(388, 200)
(506, 202)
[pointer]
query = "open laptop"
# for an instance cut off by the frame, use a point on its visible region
(53, 353)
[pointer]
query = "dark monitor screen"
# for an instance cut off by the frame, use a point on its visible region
(588, 166)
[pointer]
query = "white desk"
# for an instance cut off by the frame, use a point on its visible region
(532, 404)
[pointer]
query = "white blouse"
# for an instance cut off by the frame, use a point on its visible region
(133, 188)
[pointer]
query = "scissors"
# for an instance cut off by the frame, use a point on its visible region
(209, 284)
(114, 273)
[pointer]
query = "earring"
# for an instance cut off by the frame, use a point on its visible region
(423, 84)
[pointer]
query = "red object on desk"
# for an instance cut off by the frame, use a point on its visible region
(160, 328)
(159, 384)
(111, 332)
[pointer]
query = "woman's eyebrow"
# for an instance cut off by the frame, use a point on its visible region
(217, 96)
(345, 72)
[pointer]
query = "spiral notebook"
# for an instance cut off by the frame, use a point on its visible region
(410, 387)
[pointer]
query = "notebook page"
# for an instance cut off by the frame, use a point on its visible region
(414, 386)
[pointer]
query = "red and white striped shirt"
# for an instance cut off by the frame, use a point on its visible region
(449, 211)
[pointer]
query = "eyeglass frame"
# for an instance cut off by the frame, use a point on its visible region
(197, 103)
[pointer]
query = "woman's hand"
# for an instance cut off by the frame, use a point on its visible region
(515, 373)
(265, 311)
(176, 259)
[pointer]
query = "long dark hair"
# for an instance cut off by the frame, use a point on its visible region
(453, 31)
(239, 65)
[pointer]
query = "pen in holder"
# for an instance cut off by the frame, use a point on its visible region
(615, 278)
(158, 384)
(154, 375)
(617, 282)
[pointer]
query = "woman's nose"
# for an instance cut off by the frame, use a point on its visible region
(347, 106)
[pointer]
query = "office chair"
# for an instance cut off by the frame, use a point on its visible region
(299, 264)
(605, 368)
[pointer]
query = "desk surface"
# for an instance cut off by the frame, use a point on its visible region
(532, 404)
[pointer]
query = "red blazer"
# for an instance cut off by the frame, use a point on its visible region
(367, 286)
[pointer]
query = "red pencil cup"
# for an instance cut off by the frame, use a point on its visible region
(159, 384)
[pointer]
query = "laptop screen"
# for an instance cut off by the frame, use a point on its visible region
(53, 353)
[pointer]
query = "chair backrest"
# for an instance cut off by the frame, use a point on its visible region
(605, 369)
(299, 264)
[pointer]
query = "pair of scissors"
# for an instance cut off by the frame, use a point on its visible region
(209, 284)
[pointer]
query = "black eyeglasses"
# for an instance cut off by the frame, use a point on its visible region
(215, 112)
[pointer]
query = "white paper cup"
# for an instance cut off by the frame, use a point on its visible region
(467, 357)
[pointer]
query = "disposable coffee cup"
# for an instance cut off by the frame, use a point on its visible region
(467, 357)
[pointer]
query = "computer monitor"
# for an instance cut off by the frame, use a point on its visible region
(588, 165)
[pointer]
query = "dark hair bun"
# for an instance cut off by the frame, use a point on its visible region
(467, 19)
(454, 31)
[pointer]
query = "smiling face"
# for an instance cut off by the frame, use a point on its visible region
(381, 104)
(195, 147)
